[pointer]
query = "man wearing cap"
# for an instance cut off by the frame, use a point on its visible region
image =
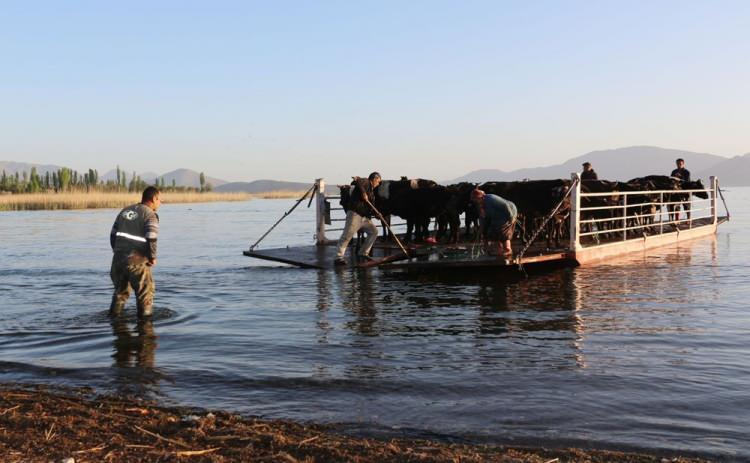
(588, 172)
(497, 217)
(359, 216)
(133, 240)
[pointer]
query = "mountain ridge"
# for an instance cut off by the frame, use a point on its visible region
(611, 164)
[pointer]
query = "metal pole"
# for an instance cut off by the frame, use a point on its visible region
(661, 212)
(575, 213)
(714, 210)
(320, 212)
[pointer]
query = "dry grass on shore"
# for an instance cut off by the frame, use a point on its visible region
(280, 194)
(96, 200)
(42, 425)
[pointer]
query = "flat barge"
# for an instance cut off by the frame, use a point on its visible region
(598, 229)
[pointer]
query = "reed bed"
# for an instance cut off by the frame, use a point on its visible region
(280, 194)
(98, 200)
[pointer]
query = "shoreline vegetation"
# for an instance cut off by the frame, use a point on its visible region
(104, 199)
(42, 424)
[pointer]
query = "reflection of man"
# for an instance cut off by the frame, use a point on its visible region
(359, 215)
(133, 240)
(131, 349)
(497, 217)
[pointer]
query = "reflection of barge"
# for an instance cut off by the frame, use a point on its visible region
(601, 225)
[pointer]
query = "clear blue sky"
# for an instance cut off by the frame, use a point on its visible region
(294, 90)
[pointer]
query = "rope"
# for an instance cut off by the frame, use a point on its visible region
(723, 200)
(286, 214)
(544, 223)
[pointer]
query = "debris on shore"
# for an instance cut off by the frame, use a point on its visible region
(40, 424)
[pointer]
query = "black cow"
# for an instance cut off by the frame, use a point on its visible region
(459, 202)
(535, 199)
(672, 200)
(603, 210)
(407, 199)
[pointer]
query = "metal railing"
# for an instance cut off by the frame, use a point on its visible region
(622, 215)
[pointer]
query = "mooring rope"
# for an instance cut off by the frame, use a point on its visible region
(286, 214)
(723, 200)
(544, 222)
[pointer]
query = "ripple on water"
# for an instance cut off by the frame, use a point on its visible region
(658, 343)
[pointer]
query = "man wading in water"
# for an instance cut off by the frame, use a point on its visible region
(133, 240)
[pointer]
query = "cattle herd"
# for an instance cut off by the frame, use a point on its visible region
(418, 201)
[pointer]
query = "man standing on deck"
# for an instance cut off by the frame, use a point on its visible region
(684, 176)
(133, 241)
(497, 217)
(359, 217)
(588, 172)
(680, 172)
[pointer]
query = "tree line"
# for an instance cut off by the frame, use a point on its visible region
(66, 180)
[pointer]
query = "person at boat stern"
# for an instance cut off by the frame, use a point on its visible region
(497, 217)
(133, 241)
(588, 172)
(359, 216)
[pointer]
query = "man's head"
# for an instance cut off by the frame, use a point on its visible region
(477, 195)
(586, 166)
(151, 197)
(374, 179)
(680, 163)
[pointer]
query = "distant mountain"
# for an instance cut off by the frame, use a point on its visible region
(262, 186)
(182, 177)
(187, 177)
(11, 167)
(147, 177)
(731, 172)
(613, 164)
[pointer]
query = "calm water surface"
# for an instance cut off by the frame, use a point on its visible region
(642, 353)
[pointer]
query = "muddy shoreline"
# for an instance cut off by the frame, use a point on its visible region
(42, 424)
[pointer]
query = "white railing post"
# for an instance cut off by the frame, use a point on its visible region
(320, 212)
(661, 213)
(625, 217)
(714, 181)
(575, 213)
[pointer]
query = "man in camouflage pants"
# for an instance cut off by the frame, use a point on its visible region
(133, 240)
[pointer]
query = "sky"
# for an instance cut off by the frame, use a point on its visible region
(295, 90)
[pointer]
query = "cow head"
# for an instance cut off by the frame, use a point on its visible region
(696, 185)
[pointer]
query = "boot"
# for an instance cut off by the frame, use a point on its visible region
(145, 311)
(115, 309)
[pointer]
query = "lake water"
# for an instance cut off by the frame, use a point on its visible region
(649, 353)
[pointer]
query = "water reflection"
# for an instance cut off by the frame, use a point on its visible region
(133, 349)
(528, 321)
(358, 297)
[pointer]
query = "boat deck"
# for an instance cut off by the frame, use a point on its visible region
(422, 256)
(469, 255)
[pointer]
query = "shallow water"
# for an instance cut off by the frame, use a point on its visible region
(641, 353)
